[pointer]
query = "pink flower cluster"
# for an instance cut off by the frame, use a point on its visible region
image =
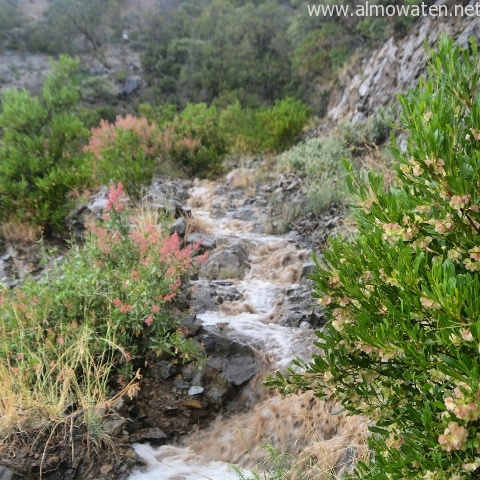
(464, 404)
(106, 134)
(454, 437)
(116, 198)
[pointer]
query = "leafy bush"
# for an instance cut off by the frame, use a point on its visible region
(241, 127)
(403, 296)
(363, 136)
(321, 195)
(9, 18)
(283, 123)
(273, 128)
(194, 140)
(315, 157)
(107, 305)
(321, 160)
(127, 149)
(40, 143)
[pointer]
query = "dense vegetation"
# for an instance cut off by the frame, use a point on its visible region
(92, 319)
(218, 51)
(402, 346)
(236, 76)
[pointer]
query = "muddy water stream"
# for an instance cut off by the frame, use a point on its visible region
(261, 317)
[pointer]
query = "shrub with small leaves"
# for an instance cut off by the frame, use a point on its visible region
(403, 297)
(282, 123)
(127, 151)
(40, 150)
(195, 141)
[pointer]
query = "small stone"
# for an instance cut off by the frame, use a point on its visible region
(181, 384)
(205, 242)
(115, 427)
(195, 390)
(6, 257)
(152, 435)
(179, 226)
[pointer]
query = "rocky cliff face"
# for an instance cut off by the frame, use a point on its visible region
(396, 66)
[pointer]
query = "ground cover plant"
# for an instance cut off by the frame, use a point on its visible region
(403, 343)
(87, 326)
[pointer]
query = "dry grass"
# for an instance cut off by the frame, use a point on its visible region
(38, 393)
(197, 225)
(15, 233)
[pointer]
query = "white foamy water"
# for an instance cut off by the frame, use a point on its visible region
(173, 463)
(280, 344)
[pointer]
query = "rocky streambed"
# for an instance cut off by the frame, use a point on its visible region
(252, 304)
(251, 309)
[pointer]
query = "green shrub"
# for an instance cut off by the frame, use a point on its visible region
(127, 149)
(9, 18)
(193, 139)
(321, 195)
(321, 160)
(95, 89)
(364, 136)
(283, 123)
(91, 117)
(315, 157)
(404, 295)
(39, 148)
(160, 114)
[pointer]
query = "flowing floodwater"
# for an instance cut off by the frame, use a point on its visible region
(299, 425)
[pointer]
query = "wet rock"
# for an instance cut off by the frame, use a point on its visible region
(156, 436)
(115, 427)
(179, 226)
(230, 263)
(237, 369)
(206, 296)
(190, 325)
(205, 242)
(395, 67)
(246, 214)
(6, 474)
(181, 384)
(235, 362)
(120, 406)
(195, 390)
(98, 203)
(308, 268)
(162, 370)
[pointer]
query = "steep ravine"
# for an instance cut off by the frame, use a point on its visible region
(262, 300)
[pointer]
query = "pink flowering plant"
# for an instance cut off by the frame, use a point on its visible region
(94, 317)
(403, 342)
(138, 270)
(126, 151)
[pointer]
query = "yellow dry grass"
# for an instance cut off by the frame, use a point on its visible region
(15, 233)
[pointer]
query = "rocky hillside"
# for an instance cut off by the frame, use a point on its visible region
(395, 67)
